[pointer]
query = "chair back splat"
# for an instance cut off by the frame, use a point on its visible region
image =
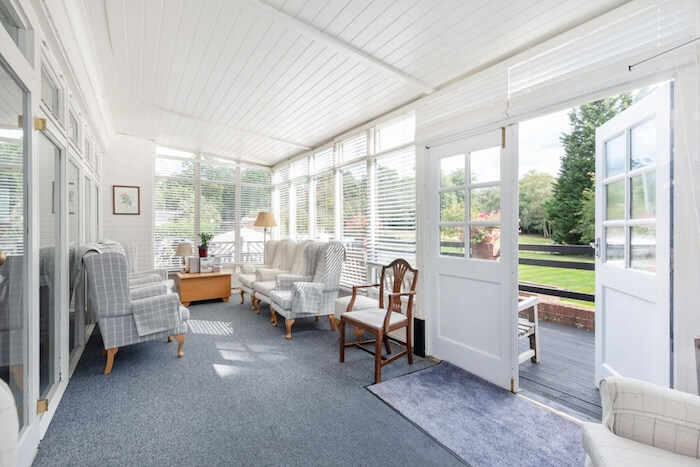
(395, 275)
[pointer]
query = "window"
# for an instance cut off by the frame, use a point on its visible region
(355, 223)
(187, 184)
(73, 128)
(283, 209)
(50, 94)
(325, 206)
(396, 133)
(353, 148)
(301, 204)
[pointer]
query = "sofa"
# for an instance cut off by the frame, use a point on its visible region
(643, 425)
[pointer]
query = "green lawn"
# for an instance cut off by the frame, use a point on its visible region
(534, 239)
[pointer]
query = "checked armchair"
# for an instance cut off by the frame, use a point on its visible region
(379, 321)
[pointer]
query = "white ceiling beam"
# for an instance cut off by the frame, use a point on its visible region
(208, 122)
(330, 41)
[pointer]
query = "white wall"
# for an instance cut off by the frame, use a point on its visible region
(130, 163)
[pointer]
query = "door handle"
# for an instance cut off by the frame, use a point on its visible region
(596, 246)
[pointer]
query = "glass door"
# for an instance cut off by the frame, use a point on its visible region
(73, 175)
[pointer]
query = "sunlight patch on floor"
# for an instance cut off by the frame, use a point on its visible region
(224, 371)
(212, 328)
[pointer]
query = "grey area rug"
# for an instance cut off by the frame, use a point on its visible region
(482, 423)
(242, 395)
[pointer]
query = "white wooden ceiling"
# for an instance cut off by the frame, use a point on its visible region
(262, 81)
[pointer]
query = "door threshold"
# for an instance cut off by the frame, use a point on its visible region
(558, 407)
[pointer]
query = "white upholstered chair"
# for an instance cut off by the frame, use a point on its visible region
(643, 425)
(247, 275)
(9, 427)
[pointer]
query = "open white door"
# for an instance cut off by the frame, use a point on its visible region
(633, 225)
(472, 254)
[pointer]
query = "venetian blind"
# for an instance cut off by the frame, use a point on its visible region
(11, 196)
(325, 206)
(255, 197)
(355, 223)
(217, 205)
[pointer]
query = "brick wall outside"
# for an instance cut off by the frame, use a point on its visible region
(551, 309)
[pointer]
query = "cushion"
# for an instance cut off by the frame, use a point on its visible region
(361, 303)
(282, 299)
(247, 279)
(264, 287)
(373, 317)
(607, 449)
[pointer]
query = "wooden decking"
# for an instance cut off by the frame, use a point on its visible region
(564, 378)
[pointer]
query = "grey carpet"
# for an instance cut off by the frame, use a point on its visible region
(482, 423)
(242, 395)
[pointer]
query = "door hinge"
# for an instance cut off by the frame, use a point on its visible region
(39, 123)
(512, 385)
(503, 137)
(42, 405)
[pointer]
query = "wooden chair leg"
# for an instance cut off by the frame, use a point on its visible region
(242, 297)
(289, 322)
(342, 341)
(273, 313)
(331, 318)
(378, 358)
(252, 302)
(409, 343)
(387, 345)
(170, 339)
(358, 333)
(257, 305)
(316, 318)
(110, 359)
(181, 341)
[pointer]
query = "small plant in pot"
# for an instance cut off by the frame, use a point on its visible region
(204, 247)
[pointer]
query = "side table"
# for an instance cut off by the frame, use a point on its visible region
(203, 286)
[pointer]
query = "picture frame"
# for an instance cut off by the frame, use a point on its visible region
(126, 200)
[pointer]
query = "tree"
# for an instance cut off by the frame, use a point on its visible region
(535, 191)
(577, 163)
(586, 216)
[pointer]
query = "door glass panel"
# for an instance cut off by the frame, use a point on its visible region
(49, 215)
(74, 244)
(485, 204)
(452, 171)
(95, 212)
(643, 248)
(615, 246)
(452, 241)
(643, 144)
(485, 242)
(615, 156)
(615, 201)
(50, 94)
(88, 212)
(13, 347)
(485, 165)
(452, 206)
(643, 200)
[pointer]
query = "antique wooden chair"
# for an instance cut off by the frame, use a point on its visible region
(379, 321)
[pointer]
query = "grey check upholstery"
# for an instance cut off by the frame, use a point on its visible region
(247, 275)
(122, 319)
(302, 269)
(314, 297)
(643, 424)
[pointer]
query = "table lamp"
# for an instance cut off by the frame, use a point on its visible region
(265, 219)
(184, 250)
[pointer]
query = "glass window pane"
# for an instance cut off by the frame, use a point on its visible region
(452, 206)
(643, 248)
(325, 207)
(485, 204)
(615, 201)
(485, 242)
(217, 217)
(174, 220)
(302, 209)
(615, 246)
(643, 144)
(615, 156)
(452, 241)
(485, 165)
(643, 200)
(452, 171)
(49, 94)
(396, 133)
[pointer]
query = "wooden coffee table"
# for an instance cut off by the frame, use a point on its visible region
(203, 286)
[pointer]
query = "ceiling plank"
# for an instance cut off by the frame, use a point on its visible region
(331, 41)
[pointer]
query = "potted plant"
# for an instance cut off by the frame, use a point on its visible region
(204, 247)
(486, 240)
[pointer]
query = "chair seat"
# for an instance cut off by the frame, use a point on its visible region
(361, 303)
(265, 287)
(282, 298)
(373, 318)
(247, 279)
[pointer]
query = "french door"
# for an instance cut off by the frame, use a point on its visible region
(633, 232)
(472, 254)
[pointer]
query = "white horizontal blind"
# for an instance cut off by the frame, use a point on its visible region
(395, 208)
(217, 205)
(353, 147)
(173, 209)
(12, 196)
(325, 206)
(355, 223)
(323, 160)
(665, 24)
(396, 133)
(255, 197)
(283, 203)
(301, 200)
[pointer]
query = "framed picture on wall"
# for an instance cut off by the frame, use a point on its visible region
(126, 200)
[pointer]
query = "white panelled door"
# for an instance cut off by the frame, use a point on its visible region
(472, 254)
(633, 232)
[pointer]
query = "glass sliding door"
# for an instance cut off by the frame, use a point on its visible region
(13, 245)
(73, 176)
(50, 209)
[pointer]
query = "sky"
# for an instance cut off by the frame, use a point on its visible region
(540, 148)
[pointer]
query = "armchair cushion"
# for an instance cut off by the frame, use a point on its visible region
(268, 274)
(264, 288)
(247, 279)
(148, 291)
(156, 314)
(374, 317)
(144, 280)
(282, 298)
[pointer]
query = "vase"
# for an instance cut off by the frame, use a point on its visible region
(203, 251)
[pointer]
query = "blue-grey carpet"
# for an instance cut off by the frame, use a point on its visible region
(482, 423)
(242, 395)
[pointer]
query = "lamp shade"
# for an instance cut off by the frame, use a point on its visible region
(184, 249)
(265, 219)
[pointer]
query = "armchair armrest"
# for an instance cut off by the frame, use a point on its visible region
(250, 268)
(145, 280)
(161, 272)
(156, 314)
(632, 408)
(306, 297)
(355, 288)
(148, 291)
(268, 274)
(286, 281)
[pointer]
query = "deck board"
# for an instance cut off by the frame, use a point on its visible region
(566, 372)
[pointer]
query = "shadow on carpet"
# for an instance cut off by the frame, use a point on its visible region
(483, 424)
